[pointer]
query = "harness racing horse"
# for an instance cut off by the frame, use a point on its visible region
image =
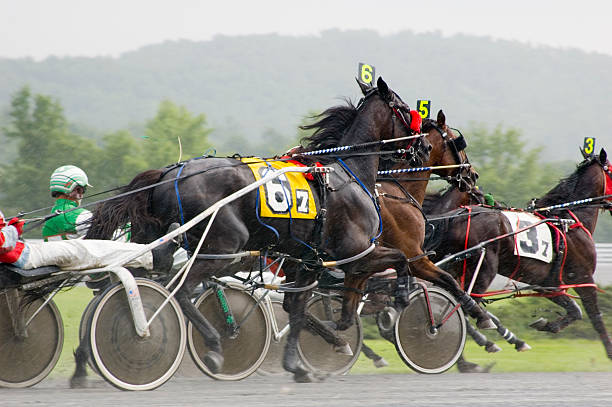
(349, 230)
(403, 217)
(573, 264)
(438, 204)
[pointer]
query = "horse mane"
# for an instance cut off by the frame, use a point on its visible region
(568, 188)
(330, 126)
(115, 213)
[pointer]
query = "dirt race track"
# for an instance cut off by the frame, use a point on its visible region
(450, 389)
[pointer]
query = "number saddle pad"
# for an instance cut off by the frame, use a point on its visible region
(288, 195)
(535, 242)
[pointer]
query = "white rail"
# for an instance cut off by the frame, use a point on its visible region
(603, 271)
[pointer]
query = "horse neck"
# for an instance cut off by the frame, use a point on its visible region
(418, 187)
(588, 215)
(368, 127)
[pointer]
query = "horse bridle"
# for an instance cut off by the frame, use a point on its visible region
(456, 145)
(399, 108)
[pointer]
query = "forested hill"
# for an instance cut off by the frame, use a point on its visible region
(253, 83)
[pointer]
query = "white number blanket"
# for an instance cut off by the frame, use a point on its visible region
(535, 242)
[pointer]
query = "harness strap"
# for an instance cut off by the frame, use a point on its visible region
(560, 235)
(178, 200)
(467, 237)
(518, 256)
(579, 224)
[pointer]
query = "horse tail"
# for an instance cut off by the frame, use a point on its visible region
(133, 207)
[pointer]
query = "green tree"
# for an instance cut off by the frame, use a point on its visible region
(120, 160)
(40, 131)
(175, 134)
(507, 169)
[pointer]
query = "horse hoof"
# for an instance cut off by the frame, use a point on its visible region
(524, 347)
(492, 348)
(539, 324)
(485, 324)
(468, 367)
(78, 382)
(344, 350)
(213, 361)
(304, 377)
(378, 363)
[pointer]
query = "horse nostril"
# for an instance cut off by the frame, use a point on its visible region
(429, 148)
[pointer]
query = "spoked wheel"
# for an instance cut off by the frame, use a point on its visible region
(85, 318)
(422, 347)
(244, 351)
(272, 364)
(26, 359)
(315, 352)
(125, 359)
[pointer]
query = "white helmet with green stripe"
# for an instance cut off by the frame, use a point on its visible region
(66, 178)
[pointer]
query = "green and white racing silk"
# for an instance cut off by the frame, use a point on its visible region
(71, 225)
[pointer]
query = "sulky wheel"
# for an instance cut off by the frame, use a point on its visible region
(243, 351)
(273, 363)
(26, 359)
(315, 352)
(125, 359)
(422, 348)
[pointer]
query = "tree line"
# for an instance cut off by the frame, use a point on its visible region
(41, 139)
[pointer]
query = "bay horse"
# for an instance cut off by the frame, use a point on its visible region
(573, 265)
(351, 227)
(404, 220)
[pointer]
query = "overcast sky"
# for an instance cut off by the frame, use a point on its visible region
(40, 28)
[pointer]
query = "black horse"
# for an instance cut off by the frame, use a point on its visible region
(351, 226)
(573, 263)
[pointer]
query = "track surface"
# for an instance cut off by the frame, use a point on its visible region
(450, 389)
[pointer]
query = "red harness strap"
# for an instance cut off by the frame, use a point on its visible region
(467, 237)
(579, 224)
(518, 257)
(307, 175)
(560, 235)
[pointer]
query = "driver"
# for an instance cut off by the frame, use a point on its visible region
(68, 184)
(78, 254)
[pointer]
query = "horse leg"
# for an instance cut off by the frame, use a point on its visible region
(357, 273)
(295, 305)
(573, 313)
(509, 336)
(81, 354)
(213, 358)
(468, 367)
(588, 295)
(427, 270)
(327, 332)
(480, 339)
(378, 360)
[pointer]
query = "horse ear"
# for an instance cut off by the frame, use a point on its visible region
(603, 157)
(363, 86)
(383, 89)
(441, 119)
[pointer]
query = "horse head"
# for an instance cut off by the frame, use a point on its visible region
(449, 150)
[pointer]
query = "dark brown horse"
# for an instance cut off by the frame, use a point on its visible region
(438, 204)
(573, 264)
(404, 221)
(351, 226)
